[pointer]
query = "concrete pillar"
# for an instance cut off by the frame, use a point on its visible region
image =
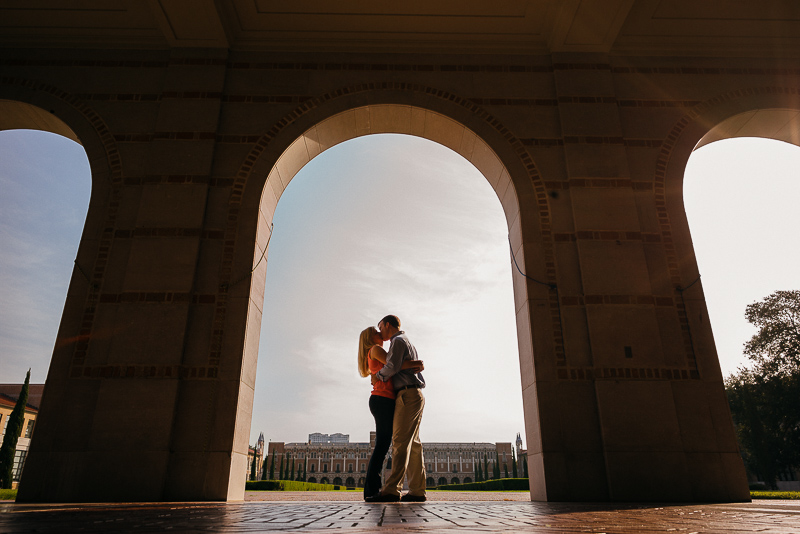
(627, 414)
(144, 406)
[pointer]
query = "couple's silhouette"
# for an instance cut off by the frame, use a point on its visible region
(396, 403)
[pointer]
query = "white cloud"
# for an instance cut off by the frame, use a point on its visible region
(427, 241)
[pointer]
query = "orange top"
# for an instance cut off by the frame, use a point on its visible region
(384, 389)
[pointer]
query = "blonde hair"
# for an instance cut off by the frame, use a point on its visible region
(365, 343)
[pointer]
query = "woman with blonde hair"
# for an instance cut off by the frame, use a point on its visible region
(371, 359)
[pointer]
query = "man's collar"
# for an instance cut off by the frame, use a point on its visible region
(397, 334)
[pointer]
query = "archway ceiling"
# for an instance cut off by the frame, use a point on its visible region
(648, 27)
(780, 124)
(17, 115)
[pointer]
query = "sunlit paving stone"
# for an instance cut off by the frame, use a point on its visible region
(776, 517)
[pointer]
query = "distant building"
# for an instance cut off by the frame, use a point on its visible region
(344, 463)
(316, 437)
(9, 393)
(521, 453)
(256, 452)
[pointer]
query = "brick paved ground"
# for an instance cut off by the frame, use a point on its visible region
(437, 516)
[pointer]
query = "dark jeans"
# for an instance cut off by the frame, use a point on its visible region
(382, 410)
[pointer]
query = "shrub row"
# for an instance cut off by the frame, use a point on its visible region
(288, 485)
(8, 494)
(775, 494)
(500, 484)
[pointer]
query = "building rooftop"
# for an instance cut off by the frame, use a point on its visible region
(34, 393)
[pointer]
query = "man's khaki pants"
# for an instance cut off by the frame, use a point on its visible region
(406, 446)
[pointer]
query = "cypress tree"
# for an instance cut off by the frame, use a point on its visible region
(13, 431)
(264, 473)
(485, 467)
(514, 465)
(506, 469)
(253, 468)
(525, 466)
(272, 467)
(496, 469)
(280, 473)
(291, 471)
(477, 478)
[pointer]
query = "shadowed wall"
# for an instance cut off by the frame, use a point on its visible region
(150, 390)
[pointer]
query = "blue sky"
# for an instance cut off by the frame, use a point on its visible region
(392, 224)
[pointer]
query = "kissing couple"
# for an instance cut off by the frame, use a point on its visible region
(396, 404)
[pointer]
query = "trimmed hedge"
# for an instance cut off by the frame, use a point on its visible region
(500, 484)
(8, 495)
(775, 494)
(288, 485)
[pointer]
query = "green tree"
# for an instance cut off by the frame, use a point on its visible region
(272, 467)
(485, 467)
(291, 471)
(496, 468)
(775, 349)
(253, 468)
(264, 469)
(525, 467)
(479, 476)
(505, 468)
(514, 465)
(763, 398)
(13, 431)
(280, 473)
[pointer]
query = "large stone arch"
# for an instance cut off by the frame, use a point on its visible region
(279, 154)
(768, 112)
(412, 110)
(28, 104)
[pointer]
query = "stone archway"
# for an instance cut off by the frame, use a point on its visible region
(767, 112)
(530, 252)
(32, 105)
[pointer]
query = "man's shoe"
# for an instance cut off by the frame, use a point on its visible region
(379, 497)
(413, 498)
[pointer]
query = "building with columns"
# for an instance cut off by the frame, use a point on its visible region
(195, 117)
(343, 463)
